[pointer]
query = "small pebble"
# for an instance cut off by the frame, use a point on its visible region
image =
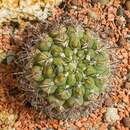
(92, 14)
(104, 2)
(10, 57)
(126, 121)
(82, 128)
(72, 127)
(121, 41)
(111, 115)
(76, 2)
(78, 124)
(127, 85)
(127, 4)
(108, 102)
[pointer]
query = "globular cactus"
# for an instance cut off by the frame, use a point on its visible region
(67, 69)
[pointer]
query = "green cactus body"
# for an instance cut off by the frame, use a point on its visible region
(69, 66)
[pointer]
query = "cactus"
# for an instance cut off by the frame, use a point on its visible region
(67, 68)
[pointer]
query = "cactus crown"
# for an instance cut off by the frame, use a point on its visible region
(68, 68)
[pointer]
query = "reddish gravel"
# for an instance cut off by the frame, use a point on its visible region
(112, 22)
